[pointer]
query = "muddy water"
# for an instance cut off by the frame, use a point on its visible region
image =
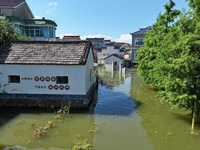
(124, 113)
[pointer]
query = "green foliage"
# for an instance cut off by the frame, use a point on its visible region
(81, 144)
(170, 58)
(39, 132)
(93, 128)
(9, 33)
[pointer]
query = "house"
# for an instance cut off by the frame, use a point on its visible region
(71, 38)
(137, 41)
(98, 43)
(114, 60)
(18, 13)
(45, 74)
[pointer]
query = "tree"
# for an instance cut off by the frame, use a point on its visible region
(9, 33)
(152, 57)
(175, 65)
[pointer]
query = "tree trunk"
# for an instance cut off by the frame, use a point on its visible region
(195, 105)
(194, 116)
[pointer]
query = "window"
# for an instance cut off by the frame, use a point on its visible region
(14, 79)
(62, 80)
(0, 11)
(139, 42)
(40, 31)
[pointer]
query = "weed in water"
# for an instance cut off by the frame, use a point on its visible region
(93, 128)
(39, 132)
(19, 121)
(80, 144)
(50, 124)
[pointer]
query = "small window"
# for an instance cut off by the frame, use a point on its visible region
(62, 80)
(14, 79)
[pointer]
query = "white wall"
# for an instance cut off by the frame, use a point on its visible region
(90, 67)
(76, 79)
(109, 51)
(111, 59)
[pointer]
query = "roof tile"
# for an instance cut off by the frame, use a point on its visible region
(10, 3)
(37, 52)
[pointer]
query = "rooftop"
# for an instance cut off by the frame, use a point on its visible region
(142, 30)
(96, 40)
(29, 21)
(115, 55)
(45, 53)
(71, 38)
(10, 3)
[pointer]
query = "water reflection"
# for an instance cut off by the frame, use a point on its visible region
(167, 129)
(123, 108)
(61, 136)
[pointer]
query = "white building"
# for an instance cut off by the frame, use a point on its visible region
(113, 59)
(20, 16)
(42, 74)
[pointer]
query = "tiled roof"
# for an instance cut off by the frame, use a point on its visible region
(142, 30)
(107, 41)
(70, 38)
(10, 3)
(96, 40)
(45, 53)
(115, 55)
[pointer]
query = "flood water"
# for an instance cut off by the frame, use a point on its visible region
(124, 115)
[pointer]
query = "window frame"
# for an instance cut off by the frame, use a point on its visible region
(139, 42)
(16, 80)
(59, 80)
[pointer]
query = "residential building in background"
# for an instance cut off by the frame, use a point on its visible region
(137, 41)
(113, 59)
(106, 48)
(98, 43)
(71, 38)
(18, 13)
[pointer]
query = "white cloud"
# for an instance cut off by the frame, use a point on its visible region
(106, 37)
(127, 38)
(62, 35)
(37, 17)
(52, 6)
(53, 3)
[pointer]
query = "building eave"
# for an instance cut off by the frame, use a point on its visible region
(25, 3)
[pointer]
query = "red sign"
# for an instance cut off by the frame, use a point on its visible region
(36, 78)
(42, 78)
(50, 87)
(56, 87)
(67, 87)
(47, 79)
(53, 79)
(61, 87)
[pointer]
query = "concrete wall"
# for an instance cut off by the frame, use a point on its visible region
(22, 12)
(8, 12)
(135, 47)
(90, 76)
(28, 85)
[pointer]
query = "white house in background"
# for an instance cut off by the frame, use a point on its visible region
(45, 74)
(138, 41)
(113, 59)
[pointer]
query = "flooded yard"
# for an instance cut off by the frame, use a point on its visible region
(124, 115)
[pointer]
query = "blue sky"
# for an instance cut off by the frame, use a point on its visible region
(111, 19)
